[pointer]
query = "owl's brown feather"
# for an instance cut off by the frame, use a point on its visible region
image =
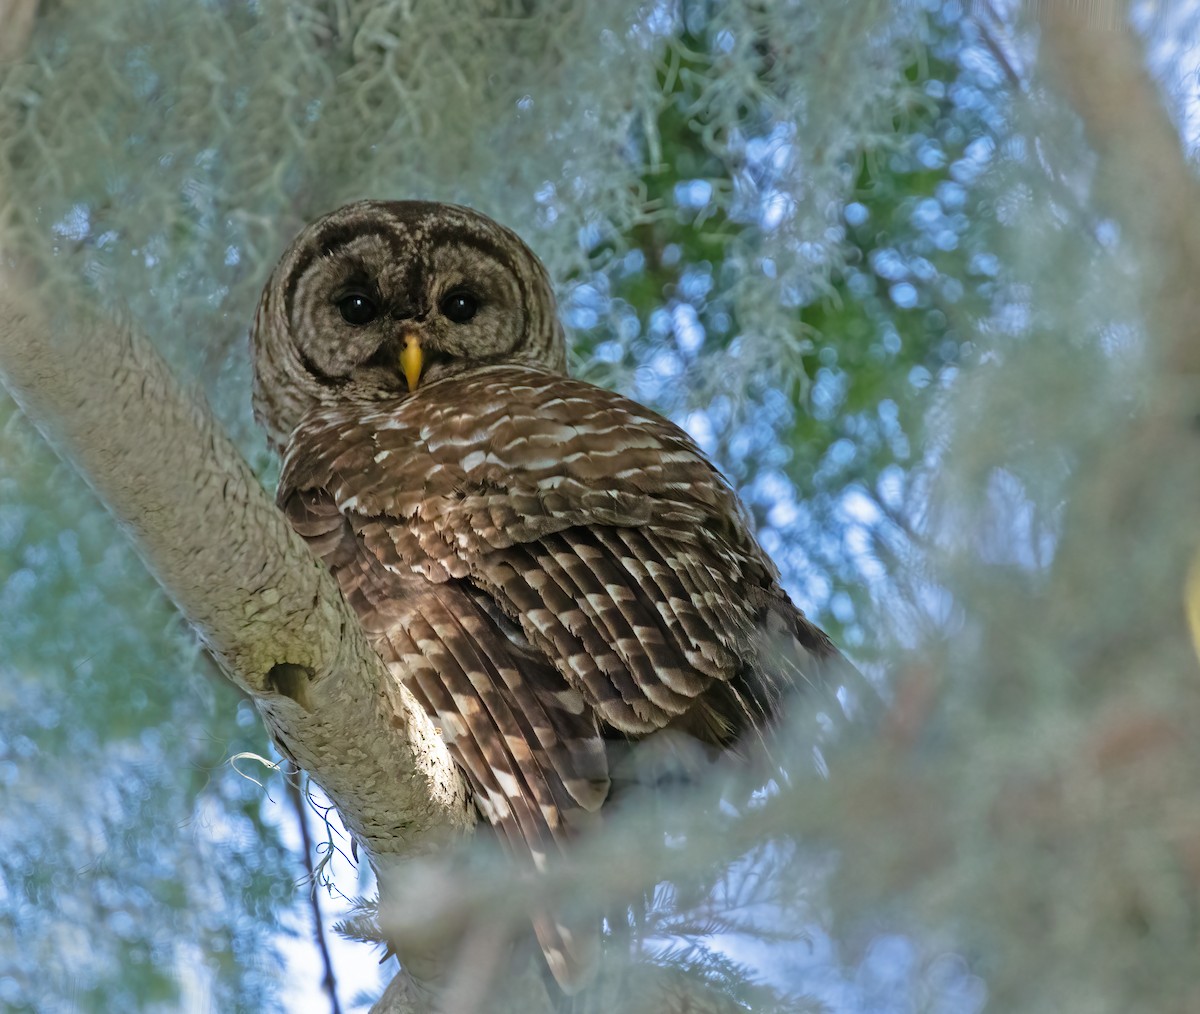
(553, 570)
(546, 564)
(605, 535)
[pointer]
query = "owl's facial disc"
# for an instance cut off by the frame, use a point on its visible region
(381, 298)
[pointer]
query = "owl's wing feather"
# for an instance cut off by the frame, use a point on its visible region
(486, 687)
(546, 563)
(527, 743)
(595, 525)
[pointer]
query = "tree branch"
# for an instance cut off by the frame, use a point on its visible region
(268, 612)
(16, 20)
(1099, 64)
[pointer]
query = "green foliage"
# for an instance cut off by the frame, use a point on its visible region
(801, 387)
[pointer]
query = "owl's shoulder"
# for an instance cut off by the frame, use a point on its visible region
(511, 438)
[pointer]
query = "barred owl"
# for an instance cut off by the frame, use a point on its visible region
(553, 570)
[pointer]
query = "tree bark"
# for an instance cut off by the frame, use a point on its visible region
(16, 25)
(1099, 64)
(267, 611)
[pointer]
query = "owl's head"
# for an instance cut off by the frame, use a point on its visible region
(380, 298)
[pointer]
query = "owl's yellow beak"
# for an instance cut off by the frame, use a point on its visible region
(411, 360)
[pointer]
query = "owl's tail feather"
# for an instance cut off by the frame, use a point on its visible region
(791, 655)
(572, 952)
(531, 750)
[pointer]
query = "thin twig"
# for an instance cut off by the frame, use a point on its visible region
(306, 850)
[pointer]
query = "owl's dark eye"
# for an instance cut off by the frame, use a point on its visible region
(357, 309)
(459, 306)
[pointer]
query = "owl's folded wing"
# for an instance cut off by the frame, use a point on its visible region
(594, 525)
(528, 744)
(545, 562)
